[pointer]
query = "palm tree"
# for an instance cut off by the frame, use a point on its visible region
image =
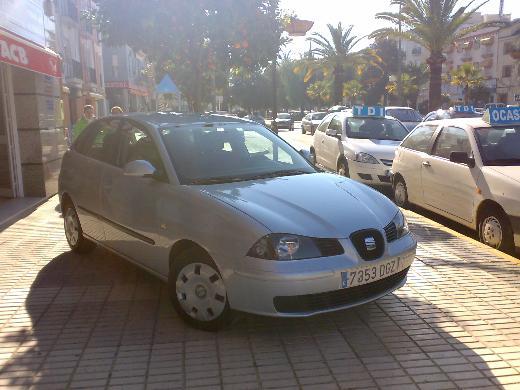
(467, 77)
(354, 91)
(434, 24)
(334, 55)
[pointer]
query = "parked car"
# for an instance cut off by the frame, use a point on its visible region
(337, 108)
(408, 116)
(311, 121)
(226, 213)
(450, 113)
(255, 117)
(359, 144)
(467, 170)
(284, 121)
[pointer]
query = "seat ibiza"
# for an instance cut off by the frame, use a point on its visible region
(231, 217)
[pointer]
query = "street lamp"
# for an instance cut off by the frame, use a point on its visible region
(295, 28)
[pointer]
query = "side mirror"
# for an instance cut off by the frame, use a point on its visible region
(139, 168)
(333, 133)
(306, 155)
(462, 158)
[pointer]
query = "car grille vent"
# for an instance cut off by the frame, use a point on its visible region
(369, 243)
(337, 298)
(388, 163)
(391, 232)
(329, 246)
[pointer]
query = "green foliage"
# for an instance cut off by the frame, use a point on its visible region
(467, 77)
(195, 39)
(354, 91)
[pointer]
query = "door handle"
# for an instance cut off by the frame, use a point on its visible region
(426, 164)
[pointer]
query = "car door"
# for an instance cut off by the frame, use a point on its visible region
(331, 144)
(130, 204)
(449, 186)
(94, 151)
(410, 155)
(318, 137)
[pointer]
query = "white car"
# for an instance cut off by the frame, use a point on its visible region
(356, 146)
(467, 170)
(407, 115)
(311, 122)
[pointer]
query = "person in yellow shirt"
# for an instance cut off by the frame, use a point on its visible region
(87, 117)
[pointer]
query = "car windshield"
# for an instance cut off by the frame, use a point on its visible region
(229, 152)
(499, 145)
(404, 115)
(319, 116)
(284, 116)
(376, 128)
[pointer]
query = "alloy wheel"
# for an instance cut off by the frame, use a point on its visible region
(492, 232)
(71, 226)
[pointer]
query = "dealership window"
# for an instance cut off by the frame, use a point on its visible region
(507, 70)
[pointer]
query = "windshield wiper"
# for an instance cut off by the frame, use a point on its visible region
(217, 180)
(231, 179)
(283, 172)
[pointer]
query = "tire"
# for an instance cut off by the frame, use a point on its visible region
(494, 230)
(197, 291)
(303, 130)
(313, 129)
(342, 169)
(312, 153)
(73, 232)
(401, 193)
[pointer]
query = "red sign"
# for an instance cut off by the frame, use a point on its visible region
(133, 89)
(17, 52)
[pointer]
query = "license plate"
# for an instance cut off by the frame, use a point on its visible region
(372, 273)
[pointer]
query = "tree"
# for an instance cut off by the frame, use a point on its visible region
(320, 92)
(434, 24)
(466, 77)
(334, 55)
(293, 85)
(199, 40)
(354, 91)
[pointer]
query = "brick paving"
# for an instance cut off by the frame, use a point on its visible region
(96, 321)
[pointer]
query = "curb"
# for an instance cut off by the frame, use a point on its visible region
(473, 241)
(23, 213)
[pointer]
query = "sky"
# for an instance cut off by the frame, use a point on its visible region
(360, 13)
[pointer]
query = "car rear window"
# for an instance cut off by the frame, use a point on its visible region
(404, 115)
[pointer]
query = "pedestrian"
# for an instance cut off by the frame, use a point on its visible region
(116, 110)
(87, 117)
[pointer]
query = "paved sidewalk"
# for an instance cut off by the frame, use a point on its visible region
(96, 321)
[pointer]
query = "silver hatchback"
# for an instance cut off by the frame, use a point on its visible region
(231, 216)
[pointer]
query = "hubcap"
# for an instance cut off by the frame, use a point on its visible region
(71, 226)
(492, 232)
(201, 291)
(400, 193)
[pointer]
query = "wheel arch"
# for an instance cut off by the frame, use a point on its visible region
(184, 245)
(486, 204)
(65, 199)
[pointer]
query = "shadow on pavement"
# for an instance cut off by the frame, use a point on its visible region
(97, 320)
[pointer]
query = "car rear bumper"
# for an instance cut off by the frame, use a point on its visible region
(311, 288)
(374, 174)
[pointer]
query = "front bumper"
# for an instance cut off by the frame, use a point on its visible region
(374, 174)
(303, 288)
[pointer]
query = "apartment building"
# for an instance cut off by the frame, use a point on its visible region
(80, 49)
(508, 64)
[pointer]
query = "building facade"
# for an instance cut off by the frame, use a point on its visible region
(80, 49)
(508, 64)
(126, 82)
(32, 136)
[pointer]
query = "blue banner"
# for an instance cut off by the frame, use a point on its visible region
(503, 116)
(376, 111)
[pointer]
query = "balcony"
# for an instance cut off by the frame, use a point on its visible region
(72, 69)
(488, 54)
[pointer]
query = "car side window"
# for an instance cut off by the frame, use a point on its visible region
(335, 125)
(324, 124)
(419, 139)
(101, 142)
(138, 145)
(451, 139)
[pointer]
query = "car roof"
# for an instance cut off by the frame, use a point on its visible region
(349, 114)
(168, 118)
(399, 108)
(461, 122)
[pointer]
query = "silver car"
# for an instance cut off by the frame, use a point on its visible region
(231, 216)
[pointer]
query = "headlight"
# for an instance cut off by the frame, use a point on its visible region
(401, 224)
(366, 158)
(282, 247)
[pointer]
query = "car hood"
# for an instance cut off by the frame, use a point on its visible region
(511, 172)
(381, 149)
(315, 205)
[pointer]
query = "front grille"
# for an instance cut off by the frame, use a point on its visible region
(388, 163)
(337, 298)
(390, 232)
(329, 246)
(365, 176)
(384, 179)
(362, 238)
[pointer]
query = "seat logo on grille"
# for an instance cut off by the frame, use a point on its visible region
(370, 243)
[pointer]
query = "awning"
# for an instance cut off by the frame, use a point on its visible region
(24, 54)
